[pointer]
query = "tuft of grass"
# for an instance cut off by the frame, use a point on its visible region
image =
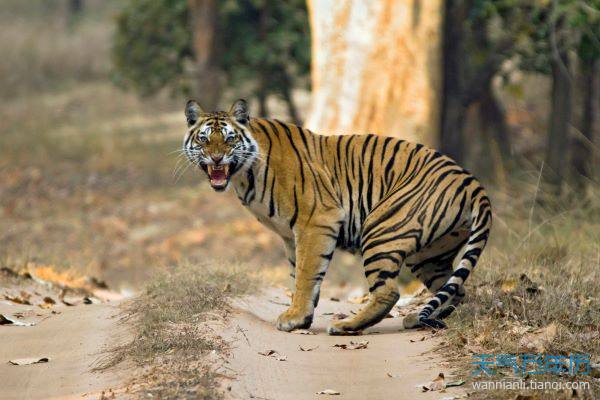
(173, 324)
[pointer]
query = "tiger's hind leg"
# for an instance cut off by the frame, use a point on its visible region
(383, 254)
(383, 289)
(433, 266)
(452, 291)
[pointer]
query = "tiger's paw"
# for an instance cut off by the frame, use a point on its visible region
(343, 327)
(412, 321)
(290, 320)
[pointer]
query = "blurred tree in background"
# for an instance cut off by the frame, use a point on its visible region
(260, 47)
(543, 36)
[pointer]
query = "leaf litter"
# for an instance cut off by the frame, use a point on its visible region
(273, 354)
(10, 321)
(353, 345)
(307, 348)
(29, 361)
(329, 392)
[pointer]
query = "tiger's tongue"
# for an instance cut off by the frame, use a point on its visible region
(218, 176)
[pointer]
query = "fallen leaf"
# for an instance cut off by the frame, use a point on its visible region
(279, 303)
(539, 339)
(9, 321)
(392, 375)
(455, 383)
(508, 285)
(307, 348)
(435, 385)
(49, 300)
(359, 300)
(329, 392)
(420, 340)
(334, 299)
(303, 332)
(18, 300)
(274, 354)
(29, 361)
(338, 316)
(353, 345)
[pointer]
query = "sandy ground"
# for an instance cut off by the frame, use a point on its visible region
(356, 374)
(72, 340)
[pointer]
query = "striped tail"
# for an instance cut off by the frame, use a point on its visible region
(481, 223)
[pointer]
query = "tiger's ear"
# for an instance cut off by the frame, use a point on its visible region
(192, 112)
(239, 111)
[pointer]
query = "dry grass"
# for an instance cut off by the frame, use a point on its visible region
(43, 50)
(175, 346)
(540, 270)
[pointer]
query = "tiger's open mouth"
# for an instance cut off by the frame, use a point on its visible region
(218, 176)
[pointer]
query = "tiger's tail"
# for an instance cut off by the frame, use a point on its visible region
(481, 223)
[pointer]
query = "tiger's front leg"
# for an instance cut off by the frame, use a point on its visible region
(314, 249)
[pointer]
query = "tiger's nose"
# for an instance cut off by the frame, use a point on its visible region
(217, 158)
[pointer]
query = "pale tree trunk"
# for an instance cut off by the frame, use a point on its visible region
(376, 67)
(209, 80)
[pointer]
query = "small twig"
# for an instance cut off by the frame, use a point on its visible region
(239, 329)
(537, 188)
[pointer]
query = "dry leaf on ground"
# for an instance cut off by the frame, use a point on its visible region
(338, 316)
(18, 300)
(390, 375)
(29, 361)
(303, 332)
(274, 354)
(539, 339)
(329, 392)
(437, 384)
(353, 345)
(307, 348)
(10, 321)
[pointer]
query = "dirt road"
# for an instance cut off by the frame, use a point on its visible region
(71, 339)
(393, 366)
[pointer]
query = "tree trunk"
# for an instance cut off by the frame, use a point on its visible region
(75, 7)
(494, 116)
(377, 68)
(583, 146)
(74, 12)
(560, 119)
(453, 107)
(209, 79)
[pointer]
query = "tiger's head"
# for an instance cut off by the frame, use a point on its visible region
(220, 143)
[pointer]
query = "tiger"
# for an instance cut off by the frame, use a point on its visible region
(394, 202)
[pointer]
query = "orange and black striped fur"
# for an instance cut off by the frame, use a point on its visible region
(395, 202)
